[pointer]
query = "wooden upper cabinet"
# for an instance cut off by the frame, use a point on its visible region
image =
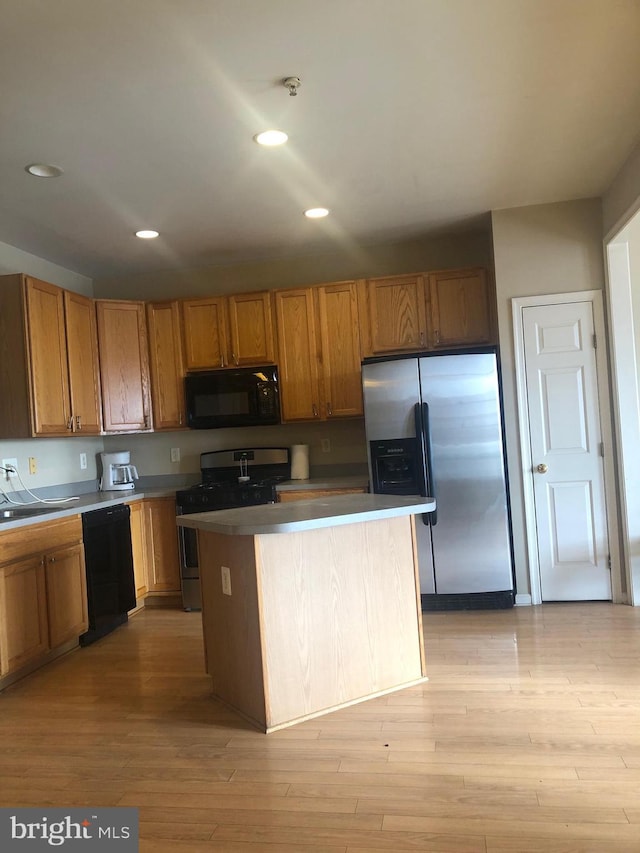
(84, 371)
(340, 360)
(228, 331)
(461, 311)
(297, 355)
(48, 358)
(205, 333)
(124, 365)
(397, 317)
(166, 365)
(251, 329)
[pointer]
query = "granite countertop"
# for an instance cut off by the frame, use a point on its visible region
(301, 515)
(84, 503)
(351, 482)
(89, 501)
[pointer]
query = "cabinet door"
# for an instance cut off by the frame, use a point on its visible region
(138, 546)
(205, 333)
(166, 363)
(251, 329)
(66, 594)
(48, 358)
(23, 614)
(162, 545)
(397, 314)
(124, 365)
(82, 353)
(297, 355)
(460, 308)
(341, 373)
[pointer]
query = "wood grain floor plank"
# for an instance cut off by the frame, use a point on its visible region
(525, 738)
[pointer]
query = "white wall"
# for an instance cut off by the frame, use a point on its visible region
(151, 453)
(622, 199)
(543, 249)
(58, 460)
(14, 260)
(348, 262)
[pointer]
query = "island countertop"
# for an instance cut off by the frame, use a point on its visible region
(306, 514)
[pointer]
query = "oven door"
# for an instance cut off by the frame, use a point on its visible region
(189, 570)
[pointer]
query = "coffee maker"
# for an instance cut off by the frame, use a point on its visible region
(118, 474)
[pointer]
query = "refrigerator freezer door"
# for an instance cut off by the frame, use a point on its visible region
(391, 389)
(471, 547)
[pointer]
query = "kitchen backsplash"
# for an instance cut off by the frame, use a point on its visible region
(334, 448)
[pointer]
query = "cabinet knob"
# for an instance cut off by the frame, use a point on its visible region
(78, 422)
(235, 358)
(436, 335)
(52, 559)
(70, 422)
(315, 410)
(329, 409)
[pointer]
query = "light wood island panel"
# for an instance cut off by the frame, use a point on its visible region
(317, 619)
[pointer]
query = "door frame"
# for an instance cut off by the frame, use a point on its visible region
(595, 297)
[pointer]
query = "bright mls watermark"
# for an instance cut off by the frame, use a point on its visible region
(78, 829)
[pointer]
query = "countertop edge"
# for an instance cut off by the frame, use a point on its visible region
(308, 515)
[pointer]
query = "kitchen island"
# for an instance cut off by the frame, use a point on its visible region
(310, 606)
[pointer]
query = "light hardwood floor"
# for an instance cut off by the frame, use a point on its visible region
(526, 738)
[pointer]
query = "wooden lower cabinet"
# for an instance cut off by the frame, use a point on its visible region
(43, 593)
(162, 545)
(66, 583)
(307, 494)
(139, 548)
(23, 614)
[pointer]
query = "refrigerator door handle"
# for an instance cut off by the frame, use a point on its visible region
(425, 441)
(423, 474)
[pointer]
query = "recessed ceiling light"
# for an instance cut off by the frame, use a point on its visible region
(43, 170)
(316, 212)
(271, 137)
(147, 235)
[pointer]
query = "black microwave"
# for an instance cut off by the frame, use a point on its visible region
(245, 396)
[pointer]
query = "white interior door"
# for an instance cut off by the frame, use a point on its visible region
(566, 451)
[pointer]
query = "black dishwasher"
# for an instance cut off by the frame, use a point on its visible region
(109, 564)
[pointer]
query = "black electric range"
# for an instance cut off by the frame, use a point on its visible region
(230, 478)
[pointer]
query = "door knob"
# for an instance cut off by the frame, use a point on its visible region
(542, 468)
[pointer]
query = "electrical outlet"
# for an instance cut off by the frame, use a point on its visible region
(10, 463)
(325, 443)
(225, 571)
(175, 454)
(33, 465)
(83, 461)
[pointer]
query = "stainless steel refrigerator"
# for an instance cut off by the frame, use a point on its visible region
(434, 427)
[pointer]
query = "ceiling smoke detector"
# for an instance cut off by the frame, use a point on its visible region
(292, 84)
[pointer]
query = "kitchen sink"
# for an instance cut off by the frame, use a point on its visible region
(15, 512)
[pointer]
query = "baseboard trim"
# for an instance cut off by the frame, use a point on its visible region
(523, 600)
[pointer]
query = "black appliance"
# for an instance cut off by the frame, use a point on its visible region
(230, 478)
(111, 591)
(246, 396)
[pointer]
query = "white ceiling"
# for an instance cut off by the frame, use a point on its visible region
(412, 116)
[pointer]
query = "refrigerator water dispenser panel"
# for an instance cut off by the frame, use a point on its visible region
(395, 467)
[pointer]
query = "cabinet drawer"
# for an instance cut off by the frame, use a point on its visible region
(39, 538)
